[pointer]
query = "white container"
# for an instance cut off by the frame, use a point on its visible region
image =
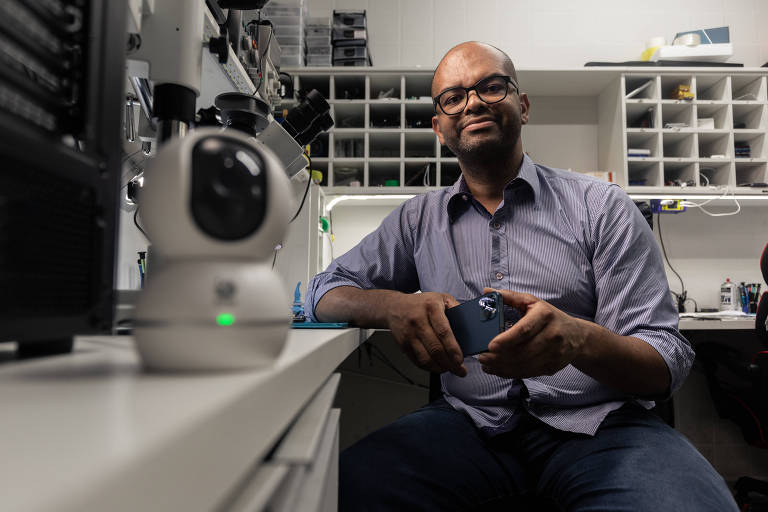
(729, 299)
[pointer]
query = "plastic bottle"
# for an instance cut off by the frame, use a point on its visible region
(728, 299)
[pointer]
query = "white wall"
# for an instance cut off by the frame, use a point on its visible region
(704, 250)
(549, 33)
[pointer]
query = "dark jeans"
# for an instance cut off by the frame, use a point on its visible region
(436, 459)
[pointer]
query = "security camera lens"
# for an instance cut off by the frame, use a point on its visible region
(229, 183)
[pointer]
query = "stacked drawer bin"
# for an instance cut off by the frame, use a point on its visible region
(318, 37)
(350, 39)
(288, 18)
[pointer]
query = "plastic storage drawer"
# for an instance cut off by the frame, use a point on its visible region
(319, 60)
(319, 50)
(279, 21)
(292, 60)
(350, 52)
(350, 62)
(318, 41)
(349, 19)
(289, 30)
(348, 34)
(282, 10)
(289, 50)
(317, 31)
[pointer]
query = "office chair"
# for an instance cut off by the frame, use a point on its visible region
(738, 384)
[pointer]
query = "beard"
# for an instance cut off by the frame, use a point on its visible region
(485, 147)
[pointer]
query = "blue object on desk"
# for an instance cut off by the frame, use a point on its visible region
(319, 325)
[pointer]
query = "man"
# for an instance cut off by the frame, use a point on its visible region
(558, 406)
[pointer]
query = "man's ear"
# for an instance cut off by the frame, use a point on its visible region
(436, 129)
(525, 108)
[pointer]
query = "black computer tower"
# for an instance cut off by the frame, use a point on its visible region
(61, 93)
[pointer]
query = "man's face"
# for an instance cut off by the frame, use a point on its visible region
(481, 129)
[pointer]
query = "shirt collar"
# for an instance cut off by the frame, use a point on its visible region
(459, 196)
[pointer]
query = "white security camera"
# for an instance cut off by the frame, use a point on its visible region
(215, 204)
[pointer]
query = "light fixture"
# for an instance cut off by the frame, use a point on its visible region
(336, 200)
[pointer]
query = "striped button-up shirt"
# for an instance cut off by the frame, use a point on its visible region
(574, 241)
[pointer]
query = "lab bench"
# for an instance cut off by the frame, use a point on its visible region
(92, 430)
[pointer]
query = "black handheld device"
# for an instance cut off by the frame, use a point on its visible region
(476, 322)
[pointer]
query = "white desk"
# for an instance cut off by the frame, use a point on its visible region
(92, 431)
(698, 324)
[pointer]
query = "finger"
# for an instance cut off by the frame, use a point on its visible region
(442, 329)
(449, 301)
(527, 328)
(434, 348)
(517, 300)
(422, 358)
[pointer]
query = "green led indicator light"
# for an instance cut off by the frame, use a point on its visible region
(225, 319)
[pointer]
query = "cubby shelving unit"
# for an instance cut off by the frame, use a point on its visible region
(687, 154)
(382, 142)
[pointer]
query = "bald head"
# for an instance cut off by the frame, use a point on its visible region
(471, 50)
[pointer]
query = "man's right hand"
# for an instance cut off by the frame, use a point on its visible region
(420, 327)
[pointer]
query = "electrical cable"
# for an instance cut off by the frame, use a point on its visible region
(724, 195)
(683, 295)
(306, 190)
(383, 358)
(136, 222)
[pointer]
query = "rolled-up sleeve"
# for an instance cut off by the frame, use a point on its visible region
(633, 297)
(382, 260)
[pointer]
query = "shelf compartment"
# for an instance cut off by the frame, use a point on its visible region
(382, 84)
(748, 88)
(750, 172)
(715, 174)
(319, 82)
(384, 174)
(712, 88)
(714, 144)
(348, 174)
(449, 173)
(419, 115)
(679, 145)
(384, 145)
(749, 117)
(323, 168)
(718, 113)
(647, 83)
(641, 115)
(348, 145)
(385, 116)
(669, 85)
(644, 141)
(418, 87)
(756, 143)
(348, 87)
(677, 113)
(679, 174)
(319, 146)
(420, 145)
(643, 174)
(349, 115)
(415, 174)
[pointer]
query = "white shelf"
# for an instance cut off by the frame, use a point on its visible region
(392, 147)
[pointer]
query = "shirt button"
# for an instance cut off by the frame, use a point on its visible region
(496, 225)
(499, 275)
(464, 197)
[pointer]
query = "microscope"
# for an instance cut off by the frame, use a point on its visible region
(215, 202)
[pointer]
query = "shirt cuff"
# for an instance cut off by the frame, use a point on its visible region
(676, 352)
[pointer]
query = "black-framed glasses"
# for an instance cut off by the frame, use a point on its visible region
(492, 89)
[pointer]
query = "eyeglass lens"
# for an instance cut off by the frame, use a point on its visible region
(490, 90)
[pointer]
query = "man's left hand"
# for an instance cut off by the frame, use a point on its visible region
(544, 341)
